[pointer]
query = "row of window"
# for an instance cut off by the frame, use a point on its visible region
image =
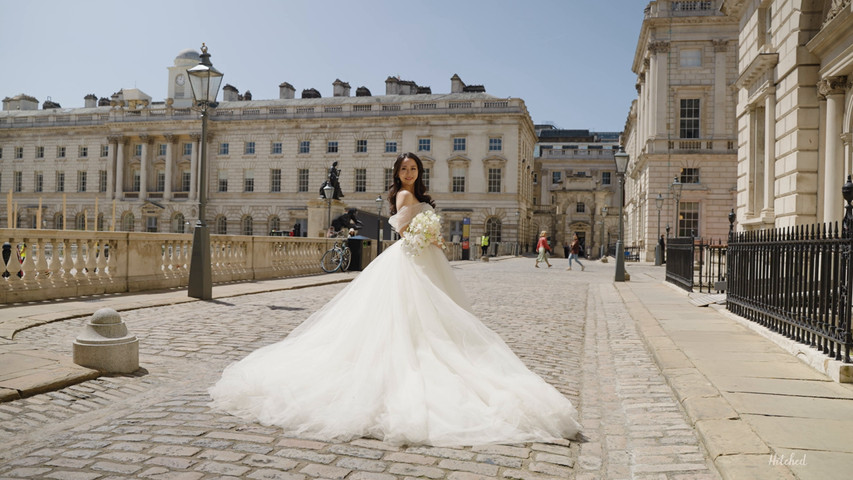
(333, 146)
(38, 181)
(557, 177)
(458, 177)
(83, 151)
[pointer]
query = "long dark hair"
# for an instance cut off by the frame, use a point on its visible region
(420, 188)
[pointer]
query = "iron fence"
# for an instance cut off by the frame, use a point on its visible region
(696, 264)
(795, 281)
(679, 262)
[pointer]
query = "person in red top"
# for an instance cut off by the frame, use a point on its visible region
(543, 248)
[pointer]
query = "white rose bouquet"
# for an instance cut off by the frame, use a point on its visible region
(423, 230)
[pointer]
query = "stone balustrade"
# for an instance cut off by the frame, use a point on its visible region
(50, 264)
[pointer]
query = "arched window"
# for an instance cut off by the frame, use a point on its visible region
(178, 223)
(58, 221)
(221, 225)
(246, 226)
(274, 223)
(101, 222)
(127, 222)
(80, 221)
(493, 229)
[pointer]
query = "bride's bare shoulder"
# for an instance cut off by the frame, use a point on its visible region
(405, 198)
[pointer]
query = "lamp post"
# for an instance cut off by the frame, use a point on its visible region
(328, 191)
(602, 249)
(676, 187)
(658, 250)
(621, 158)
(204, 82)
(379, 204)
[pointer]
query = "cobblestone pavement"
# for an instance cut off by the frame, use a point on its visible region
(569, 327)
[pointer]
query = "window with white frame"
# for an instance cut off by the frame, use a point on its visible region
(688, 219)
(459, 144)
(161, 181)
(605, 178)
(102, 181)
(424, 145)
(222, 181)
(302, 180)
(249, 148)
(426, 177)
(580, 207)
(274, 223)
(275, 180)
(224, 148)
(135, 181)
(19, 152)
(495, 180)
(275, 149)
(388, 179)
(361, 146)
(305, 146)
(83, 152)
(458, 179)
(60, 152)
(137, 150)
(105, 151)
(81, 181)
(390, 147)
(556, 177)
(186, 177)
(360, 179)
(38, 180)
(689, 118)
(19, 181)
(221, 225)
(689, 175)
(40, 152)
(495, 144)
(332, 147)
(249, 181)
(247, 226)
(60, 181)
(161, 150)
(188, 149)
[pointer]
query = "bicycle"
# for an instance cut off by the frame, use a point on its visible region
(339, 256)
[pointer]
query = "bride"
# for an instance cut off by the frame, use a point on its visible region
(398, 356)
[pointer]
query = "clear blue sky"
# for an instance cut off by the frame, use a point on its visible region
(570, 60)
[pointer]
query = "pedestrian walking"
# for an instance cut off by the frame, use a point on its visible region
(575, 252)
(543, 248)
(662, 244)
(484, 245)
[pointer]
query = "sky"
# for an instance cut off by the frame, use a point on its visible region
(569, 60)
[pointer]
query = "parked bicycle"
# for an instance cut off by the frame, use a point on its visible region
(339, 256)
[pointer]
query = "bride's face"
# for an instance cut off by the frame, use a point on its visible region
(408, 173)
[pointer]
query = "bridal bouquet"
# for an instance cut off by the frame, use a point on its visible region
(424, 229)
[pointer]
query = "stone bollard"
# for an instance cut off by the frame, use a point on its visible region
(105, 344)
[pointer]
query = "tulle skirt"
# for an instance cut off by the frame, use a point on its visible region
(398, 356)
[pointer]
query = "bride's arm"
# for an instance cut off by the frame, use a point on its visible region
(405, 199)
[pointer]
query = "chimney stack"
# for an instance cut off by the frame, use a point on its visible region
(230, 93)
(90, 100)
(286, 91)
(340, 89)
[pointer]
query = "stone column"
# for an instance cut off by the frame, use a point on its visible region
(113, 141)
(119, 192)
(196, 137)
(660, 94)
(147, 140)
(720, 101)
(833, 89)
(170, 152)
(769, 153)
(647, 98)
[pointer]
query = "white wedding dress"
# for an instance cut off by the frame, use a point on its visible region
(398, 356)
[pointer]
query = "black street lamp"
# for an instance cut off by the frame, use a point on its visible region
(204, 82)
(676, 187)
(329, 190)
(621, 158)
(658, 250)
(602, 250)
(379, 203)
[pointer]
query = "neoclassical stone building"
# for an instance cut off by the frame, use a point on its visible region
(575, 187)
(794, 110)
(267, 159)
(682, 124)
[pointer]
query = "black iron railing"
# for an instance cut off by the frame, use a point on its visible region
(679, 262)
(795, 281)
(709, 265)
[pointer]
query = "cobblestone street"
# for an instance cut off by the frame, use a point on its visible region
(570, 327)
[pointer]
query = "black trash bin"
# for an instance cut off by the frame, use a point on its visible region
(359, 246)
